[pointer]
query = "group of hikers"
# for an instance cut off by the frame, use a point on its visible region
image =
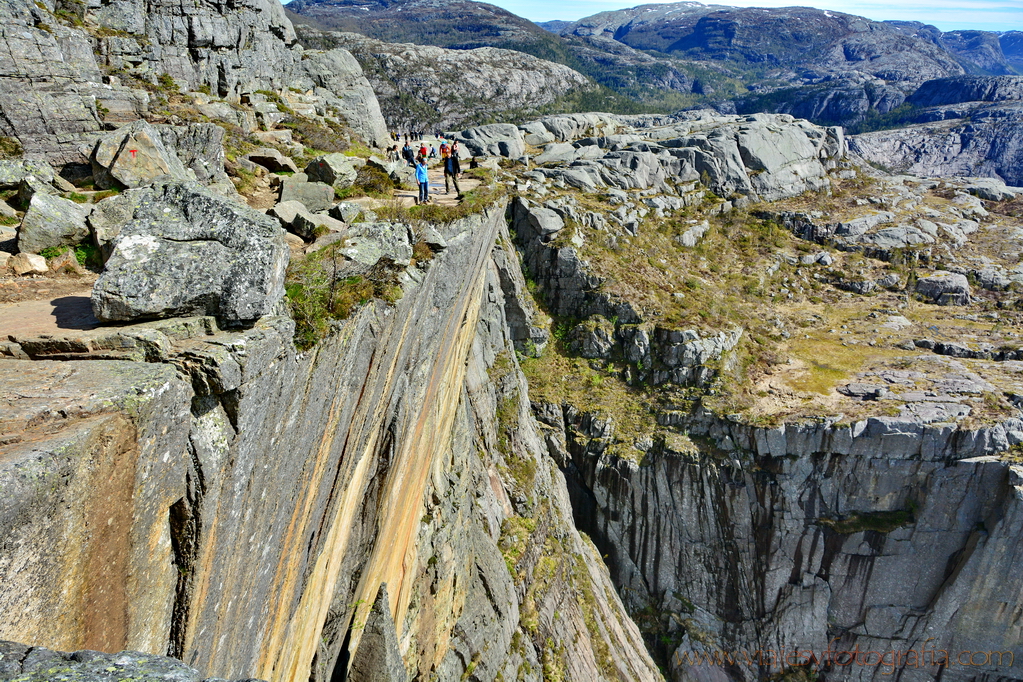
(418, 159)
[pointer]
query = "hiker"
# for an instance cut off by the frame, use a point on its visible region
(445, 150)
(433, 153)
(452, 170)
(408, 154)
(422, 149)
(423, 178)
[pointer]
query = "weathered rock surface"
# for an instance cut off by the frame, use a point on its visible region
(51, 221)
(496, 139)
(336, 170)
(945, 288)
(27, 264)
(966, 126)
(230, 446)
(188, 251)
(456, 87)
(315, 196)
(886, 509)
(764, 155)
(37, 664)
(135, 156)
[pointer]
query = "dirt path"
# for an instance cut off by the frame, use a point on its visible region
(48, 315)
(438, 196)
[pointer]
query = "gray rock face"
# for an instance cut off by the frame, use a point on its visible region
(377, 659)
(272, 160)
(867, 532)
(37, 664)
(369, 243)
(51, 221)
(337, 77)
(969, 139)
(763, 155)
(189, 251)
(336, 170)
(497, 139)
(942, 91)
(945, 288)
(108, 216)
(135, 156)
(315, 196)
(456, 86)
(12, 172)
(220, 434)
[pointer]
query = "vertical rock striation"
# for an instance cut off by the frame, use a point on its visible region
(239, 505)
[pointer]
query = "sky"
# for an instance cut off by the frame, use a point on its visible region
(948, 15)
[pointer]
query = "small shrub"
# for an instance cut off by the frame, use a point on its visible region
(166, 83)
(319, 291)
(421, 252)
(78, 198)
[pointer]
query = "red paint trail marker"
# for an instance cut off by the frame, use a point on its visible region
(133, 152)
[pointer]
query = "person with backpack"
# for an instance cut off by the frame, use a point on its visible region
(452, 170)
(445, 150)
(423, 178)
(408, 154)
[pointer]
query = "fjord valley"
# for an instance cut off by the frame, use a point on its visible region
(694, 342)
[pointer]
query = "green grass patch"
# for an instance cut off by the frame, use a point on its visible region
(320, 292)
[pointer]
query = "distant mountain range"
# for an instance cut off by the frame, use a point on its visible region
(827, 66)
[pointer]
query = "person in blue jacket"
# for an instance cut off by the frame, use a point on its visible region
(423, 178)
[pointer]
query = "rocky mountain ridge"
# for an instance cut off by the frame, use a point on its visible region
(423, 86)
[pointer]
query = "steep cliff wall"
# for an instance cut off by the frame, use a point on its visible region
(878, 534)
(239, 505)
(68, 70)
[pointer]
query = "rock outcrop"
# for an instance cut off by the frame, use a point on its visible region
(38, 664)
(839, 515)
(400, 450)
(422, 86)
(957, 138)
(59, 89)
(187, 251)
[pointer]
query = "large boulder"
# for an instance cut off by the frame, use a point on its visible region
(497, 139)
(12, 172)
(370, 243)
(315, 196)
(401, 174)
(134, 156)
(190, 251)
(296, 219)
(336, 170)
(272, 160)
(51, 221)
(109, 215)
(945, 288)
